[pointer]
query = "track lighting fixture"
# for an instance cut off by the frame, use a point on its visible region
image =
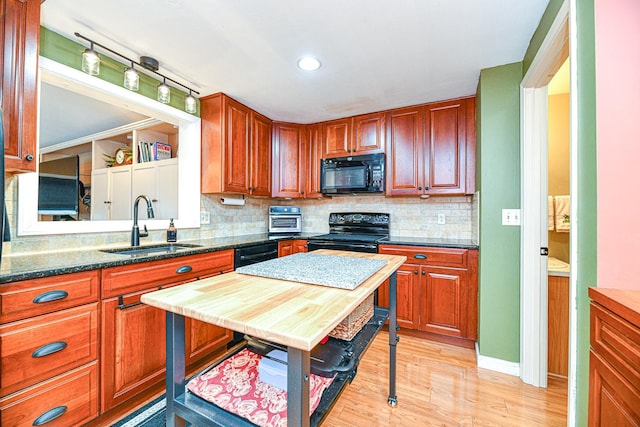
(164, 92)
(91, 66)
(190, 103)
(131, 78)
(91, 61)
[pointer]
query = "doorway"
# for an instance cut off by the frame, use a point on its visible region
(553, 52)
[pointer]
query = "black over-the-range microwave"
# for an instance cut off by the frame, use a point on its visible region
(354, 174)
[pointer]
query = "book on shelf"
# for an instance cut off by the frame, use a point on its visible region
(161, 151)
(153, 151)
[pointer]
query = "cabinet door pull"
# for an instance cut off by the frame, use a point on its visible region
(50, 415)
(50, 348)
(184, 269)
(424, 272)
(123, 306)
(29, 157)
(50, 296)
(420, 256)
(415, 271)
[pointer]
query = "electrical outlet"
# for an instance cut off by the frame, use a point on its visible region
(441, 219)
(205, 217)
(510, 216)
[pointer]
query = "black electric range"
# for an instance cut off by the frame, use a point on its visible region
(358, 232)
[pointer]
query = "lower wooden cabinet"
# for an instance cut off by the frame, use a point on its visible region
(442, 306)
(289, 247)
(133, 334)
(436, 291)
(133, 348)
(66, 400)
(558, 326)
(41, 347)
(49, 346)
(407, 279)
(203, 339)
(614, 359)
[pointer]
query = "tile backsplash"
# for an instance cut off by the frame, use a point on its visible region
(410, 216)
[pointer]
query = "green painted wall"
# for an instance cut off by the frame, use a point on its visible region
(586, 223)
(499, 184)
(68, 52)
(547, 19)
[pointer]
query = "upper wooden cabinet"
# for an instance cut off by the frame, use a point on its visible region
(20, 30)
(313, 151)
(235, 153)
(405, 146)
(297, 150)
(337, 138)
(260, 178)
(431, 149)
(289, 157)
(354, 135)
(368, 133)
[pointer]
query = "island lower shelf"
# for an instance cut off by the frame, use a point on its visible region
(201, 412)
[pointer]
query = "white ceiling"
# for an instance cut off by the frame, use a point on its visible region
(376, 54)
(67, 115)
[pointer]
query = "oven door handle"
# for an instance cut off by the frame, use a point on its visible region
(351, 245)
(260, 255)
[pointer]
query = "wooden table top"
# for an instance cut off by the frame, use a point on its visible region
(289, 313)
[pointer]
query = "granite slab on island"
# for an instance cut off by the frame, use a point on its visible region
(342, 272)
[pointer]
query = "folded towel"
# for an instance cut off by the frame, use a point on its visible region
(550, 214)
(563, 210)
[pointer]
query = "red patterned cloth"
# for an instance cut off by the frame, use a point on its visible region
(234, 385)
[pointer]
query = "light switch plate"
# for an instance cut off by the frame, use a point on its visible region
(510, 216)
(441, 219)
(205, 217)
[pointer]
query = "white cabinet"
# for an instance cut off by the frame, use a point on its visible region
(158, 181)
(111, 193)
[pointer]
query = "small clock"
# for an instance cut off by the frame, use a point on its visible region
(121, 157)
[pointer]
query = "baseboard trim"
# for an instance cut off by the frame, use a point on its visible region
(498, 365)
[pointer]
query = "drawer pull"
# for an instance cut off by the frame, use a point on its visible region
(184, 269)
(50, 415)
(50, 296)
(420, 256)
(123, 306)
(50, 348)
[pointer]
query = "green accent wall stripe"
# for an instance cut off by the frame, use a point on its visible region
(69, 52)
(499, 184)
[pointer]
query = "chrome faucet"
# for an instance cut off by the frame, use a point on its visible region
(135, 232)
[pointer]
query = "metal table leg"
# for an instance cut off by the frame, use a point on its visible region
(298, 371)
(175, 365)
(393, 339)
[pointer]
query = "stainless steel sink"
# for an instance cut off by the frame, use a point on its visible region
(166, 248)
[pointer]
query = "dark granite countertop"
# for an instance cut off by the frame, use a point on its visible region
(425, 241)
(32, 266)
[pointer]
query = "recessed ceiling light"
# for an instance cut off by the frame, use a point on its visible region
(308, 63)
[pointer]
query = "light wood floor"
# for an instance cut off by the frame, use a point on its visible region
(440, 385)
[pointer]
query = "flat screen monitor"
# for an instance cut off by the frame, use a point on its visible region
(58, 187)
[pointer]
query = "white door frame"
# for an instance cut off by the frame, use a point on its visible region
(533, 233)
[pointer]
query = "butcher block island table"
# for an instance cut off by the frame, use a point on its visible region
(289, 313)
